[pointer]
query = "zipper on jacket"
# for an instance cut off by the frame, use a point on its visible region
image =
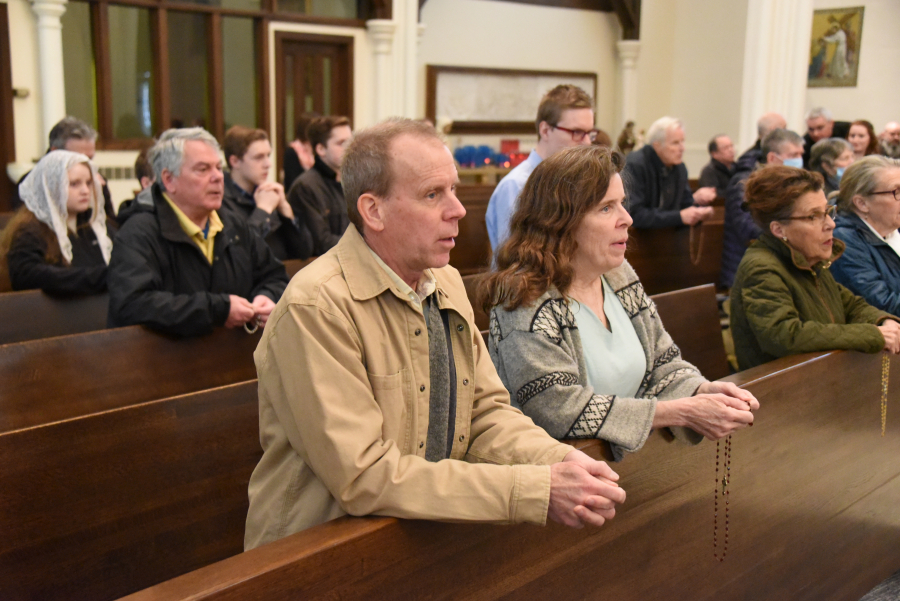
(822, 298)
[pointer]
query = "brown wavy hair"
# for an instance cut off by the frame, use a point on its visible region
(24, 220)
(874, 147)
(771, 192)
(541, 244)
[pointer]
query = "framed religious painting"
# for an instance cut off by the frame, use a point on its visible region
(834, 51)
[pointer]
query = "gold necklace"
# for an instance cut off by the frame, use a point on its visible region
(726, 472)
(885, 376)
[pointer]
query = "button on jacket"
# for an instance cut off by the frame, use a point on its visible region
(344, 394)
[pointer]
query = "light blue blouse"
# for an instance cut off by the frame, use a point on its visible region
(614, 357)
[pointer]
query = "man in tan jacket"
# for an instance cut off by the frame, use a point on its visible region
(377, 394)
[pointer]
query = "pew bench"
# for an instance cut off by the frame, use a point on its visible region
(68, 376)
(813, 516)
(99, 506)
(33, 314)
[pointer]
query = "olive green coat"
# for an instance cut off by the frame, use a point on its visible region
(782, 306)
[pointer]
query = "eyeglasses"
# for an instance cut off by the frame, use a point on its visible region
(817, 217)
(895, 192)
(579, 134)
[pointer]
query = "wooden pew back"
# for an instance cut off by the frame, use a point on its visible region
(100, 506)
(59, 378)
(812, 516)
(472, 253)
(32, 314)
(664, 258)
(691, 318)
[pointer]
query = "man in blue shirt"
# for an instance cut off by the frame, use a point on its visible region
(565, 118)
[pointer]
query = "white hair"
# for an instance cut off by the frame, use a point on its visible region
(819, 111)
(660, 127)
(168, 152)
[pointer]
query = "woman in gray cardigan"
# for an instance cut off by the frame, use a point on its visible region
(574, 337)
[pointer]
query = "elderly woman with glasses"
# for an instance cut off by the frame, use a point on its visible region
(574, 337)
(869, 215)
(784, 299)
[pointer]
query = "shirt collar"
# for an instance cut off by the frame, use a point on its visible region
(192, 229)
(427, 283)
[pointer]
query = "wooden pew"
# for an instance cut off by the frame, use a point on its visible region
(102, 505)
(812, 514)
(664, 258)
(292, 266)
(472, 253)
(59, 378)
(691, 317)
(32, 314)
(471, 282)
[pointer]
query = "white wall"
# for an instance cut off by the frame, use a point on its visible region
(508, 35)
(25, 74)
(878, 86)
(691, 67)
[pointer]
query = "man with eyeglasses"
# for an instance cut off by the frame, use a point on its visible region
(565, 118)
(659, 195)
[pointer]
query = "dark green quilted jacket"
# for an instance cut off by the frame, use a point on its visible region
(782, 306)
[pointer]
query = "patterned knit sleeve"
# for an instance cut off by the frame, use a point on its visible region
(538, 366)
(668, 375)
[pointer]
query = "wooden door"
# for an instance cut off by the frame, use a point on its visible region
(314, 74)
(8, 143)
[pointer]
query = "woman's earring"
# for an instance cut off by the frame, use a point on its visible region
(784, 238)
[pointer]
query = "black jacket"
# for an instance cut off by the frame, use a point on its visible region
(29, 269)
(292, 167)
(160, 278)
(643, 176)
(717, 175)
(318, 201)
(287, 239)
(841, 129)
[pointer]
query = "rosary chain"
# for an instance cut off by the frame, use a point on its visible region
(885, 377)
(725, 481)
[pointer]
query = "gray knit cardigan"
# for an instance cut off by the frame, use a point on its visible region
(538, 354)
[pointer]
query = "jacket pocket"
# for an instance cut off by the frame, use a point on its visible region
(393, 395)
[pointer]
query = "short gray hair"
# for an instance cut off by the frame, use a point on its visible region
(366, 166)
(861, 178)
(777, 140)
(168, 152)
(819, 111)
(827, 151)
(660, 127)
(70, 128)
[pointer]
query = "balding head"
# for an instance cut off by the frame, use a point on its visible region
(769, 123)
(892, 132)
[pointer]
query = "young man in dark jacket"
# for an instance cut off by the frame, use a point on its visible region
(185, 267)
(250, 194)
(317, 196)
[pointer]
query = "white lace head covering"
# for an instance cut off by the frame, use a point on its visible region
(45, 193)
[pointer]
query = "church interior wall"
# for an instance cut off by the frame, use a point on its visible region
(691, 67)
(875, 95)
(508, 35)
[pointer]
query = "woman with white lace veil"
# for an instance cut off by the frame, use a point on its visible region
(58, 240)
(574, 337)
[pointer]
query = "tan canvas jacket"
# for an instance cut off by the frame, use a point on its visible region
(343, 401)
